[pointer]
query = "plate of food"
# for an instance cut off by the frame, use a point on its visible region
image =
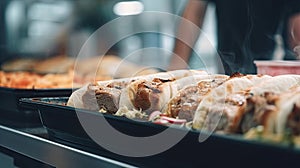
(53, 76)
(16, 85)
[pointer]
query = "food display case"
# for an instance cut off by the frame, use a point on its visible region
(85, 83)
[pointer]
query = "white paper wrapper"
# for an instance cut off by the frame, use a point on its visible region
(75, 99)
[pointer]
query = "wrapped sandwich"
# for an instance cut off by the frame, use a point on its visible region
(250, 105)
(106, 95)
(184, 104)
(222, 108)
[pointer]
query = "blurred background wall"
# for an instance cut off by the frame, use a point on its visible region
(43, 28)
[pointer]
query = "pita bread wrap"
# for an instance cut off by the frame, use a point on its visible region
(280, 114)
(153, 95)
(105, 95)
(184, 104)
(270, 103)
(102, 95)
(288, 114)
(227, 97)
(277, 84)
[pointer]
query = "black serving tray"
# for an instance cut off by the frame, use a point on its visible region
(13, 115)
(218, 150)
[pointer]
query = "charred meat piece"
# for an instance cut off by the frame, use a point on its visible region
(185, 103)
(146, 95)
(259, 110)
(226, 115)
(103, 97)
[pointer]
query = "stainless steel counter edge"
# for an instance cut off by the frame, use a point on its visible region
(52, 153)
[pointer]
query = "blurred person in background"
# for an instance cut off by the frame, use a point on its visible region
(247, 30)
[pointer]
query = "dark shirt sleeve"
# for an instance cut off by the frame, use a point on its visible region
(292, 7)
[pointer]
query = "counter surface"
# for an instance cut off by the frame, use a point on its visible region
(51, 153)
